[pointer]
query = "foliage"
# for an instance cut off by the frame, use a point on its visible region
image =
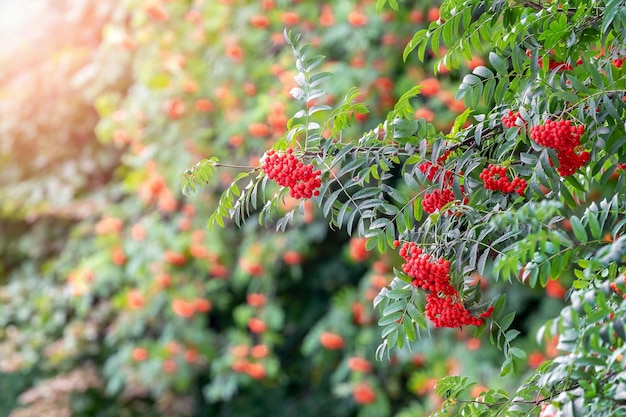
(111, 280)
(114, 281)
(548, 62)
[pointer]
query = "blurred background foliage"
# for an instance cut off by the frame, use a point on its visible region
(116, 301)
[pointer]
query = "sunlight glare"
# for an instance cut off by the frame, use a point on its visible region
(15, 14)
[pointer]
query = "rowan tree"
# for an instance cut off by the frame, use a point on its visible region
(506, 193)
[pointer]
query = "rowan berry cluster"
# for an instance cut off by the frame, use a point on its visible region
(510, 119)
(429, 274)
(431, 170)
(563, 137)
(434, 201)
(559, 135)
(443, 305)
(494, 178)
(449, 312)
(570, 161)
(288, 171)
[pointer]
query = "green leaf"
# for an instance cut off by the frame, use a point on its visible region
(480, 265)
(418, 210)
(419, 39)
(409, 328)
(544, 273)
(319, 78)
(578, 229)
(483, 72)
(506, 321)
(594, 226)
(392, 318)
(507, 367)
(434, 40)
(341, 155)
(393, 307)
(576, 84)
(517, 352)
(393, 339)
(610, 11)
(592, 70)
(399, 294)
(403, 107)
(498, 63)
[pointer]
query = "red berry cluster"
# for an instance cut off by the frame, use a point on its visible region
(449, 312)
(565, 139)
(509, 120)
(559, 135)
(434, 201)
(429, 274)
(288, 171)
(494, 177)
(570, 161)
(431, 170)
(443, 306)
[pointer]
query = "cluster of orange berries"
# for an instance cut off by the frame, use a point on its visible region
(173, 353)
(494, 178)
(249, 360)
(565, 139)
(443, 306)
(288, 171)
